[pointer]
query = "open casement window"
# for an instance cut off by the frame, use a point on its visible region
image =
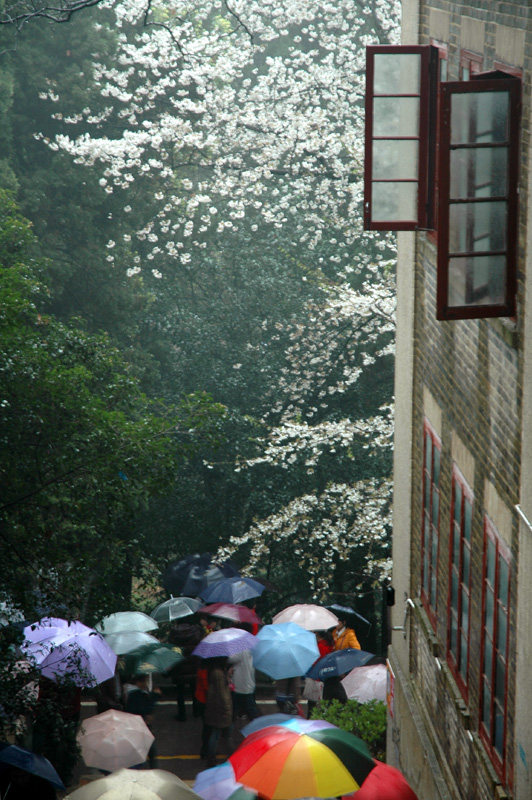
(460, 581)
(477, 203)
(494, 658)
(431, 521)
(399, 161)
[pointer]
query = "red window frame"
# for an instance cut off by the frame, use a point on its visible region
(493, 711)
(460, 266)
(459, 598)
(430, 523)
(426, 92)
(470, 64)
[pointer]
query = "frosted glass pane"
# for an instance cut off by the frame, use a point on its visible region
(396, 73)
(479, 172)
(395, 117)
(476, 280)
(479, 117)
(395, 160)
(394, 202)
(474, 227)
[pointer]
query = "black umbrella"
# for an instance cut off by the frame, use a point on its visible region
(15, 756)
(339, 662)
(195, 572)
(343, 612)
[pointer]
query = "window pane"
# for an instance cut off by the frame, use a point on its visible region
(467, 520)
(479, 172)
(474, 227)
(434, 553)
(453, 632)
(454, 589)
(479, 117)
(428, 452)
(465, 611)
(397, 73)
(488, 658)
(502, 630)
(395, 159)
(435, 505)
(426, 494)
(396, 202)
(503, 582)
(466, 559)
(476, 280)
(457, 502)
(436, 477)
(433, 590)
(489, 618)
(491, 562)
(396, 117)
(425, 572)
(500, 679)
(498, 733)
(456, 546)
(486, 706)
(463, 657)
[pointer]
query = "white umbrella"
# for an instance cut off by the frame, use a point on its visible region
(175, 608)
(124, 621)
(308, 616)
(114, 739)
(127, 641)
(133, 784)
(366, 683)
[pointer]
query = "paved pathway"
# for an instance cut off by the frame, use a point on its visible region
(178, 743)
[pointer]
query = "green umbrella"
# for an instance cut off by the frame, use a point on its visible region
(149, 658)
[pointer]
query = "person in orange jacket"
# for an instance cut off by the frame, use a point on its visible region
(344, 636)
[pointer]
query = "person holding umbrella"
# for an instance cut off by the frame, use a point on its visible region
(139, 700)
(218, 714)
(344, 636)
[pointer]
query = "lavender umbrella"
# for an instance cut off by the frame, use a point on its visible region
(226, 642)
(60, 647)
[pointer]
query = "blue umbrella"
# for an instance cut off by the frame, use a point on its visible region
(286, 721)
(285, 650)
(339, 662)
(232, 590)
(15, 756)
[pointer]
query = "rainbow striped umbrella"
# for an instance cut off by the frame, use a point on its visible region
(282, 764)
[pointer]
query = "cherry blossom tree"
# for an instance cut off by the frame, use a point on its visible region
(232, 119)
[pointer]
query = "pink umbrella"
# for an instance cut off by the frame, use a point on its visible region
(60, 647)
(384, 783)
(308, 616)
(231, 611)
(114, 739)
(366, 683)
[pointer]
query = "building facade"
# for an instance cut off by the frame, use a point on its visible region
(460, 658)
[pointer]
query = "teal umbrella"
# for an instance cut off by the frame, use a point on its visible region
(153, 658)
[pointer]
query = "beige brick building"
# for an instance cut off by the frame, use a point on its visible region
(460, 701)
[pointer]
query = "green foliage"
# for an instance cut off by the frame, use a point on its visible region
(365, 720)
(82, 449)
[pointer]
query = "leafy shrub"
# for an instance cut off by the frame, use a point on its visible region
(365, 720)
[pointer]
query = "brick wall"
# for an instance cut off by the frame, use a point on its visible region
(473, 371)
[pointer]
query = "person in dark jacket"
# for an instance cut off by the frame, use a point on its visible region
(218, 714)
(186, 635)
(139, 700)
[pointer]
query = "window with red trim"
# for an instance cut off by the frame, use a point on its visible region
(494, 656)
(400, 97)
(470, 64)
(472, 126)
(477, 208)
(460, 580)
(431, 521)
